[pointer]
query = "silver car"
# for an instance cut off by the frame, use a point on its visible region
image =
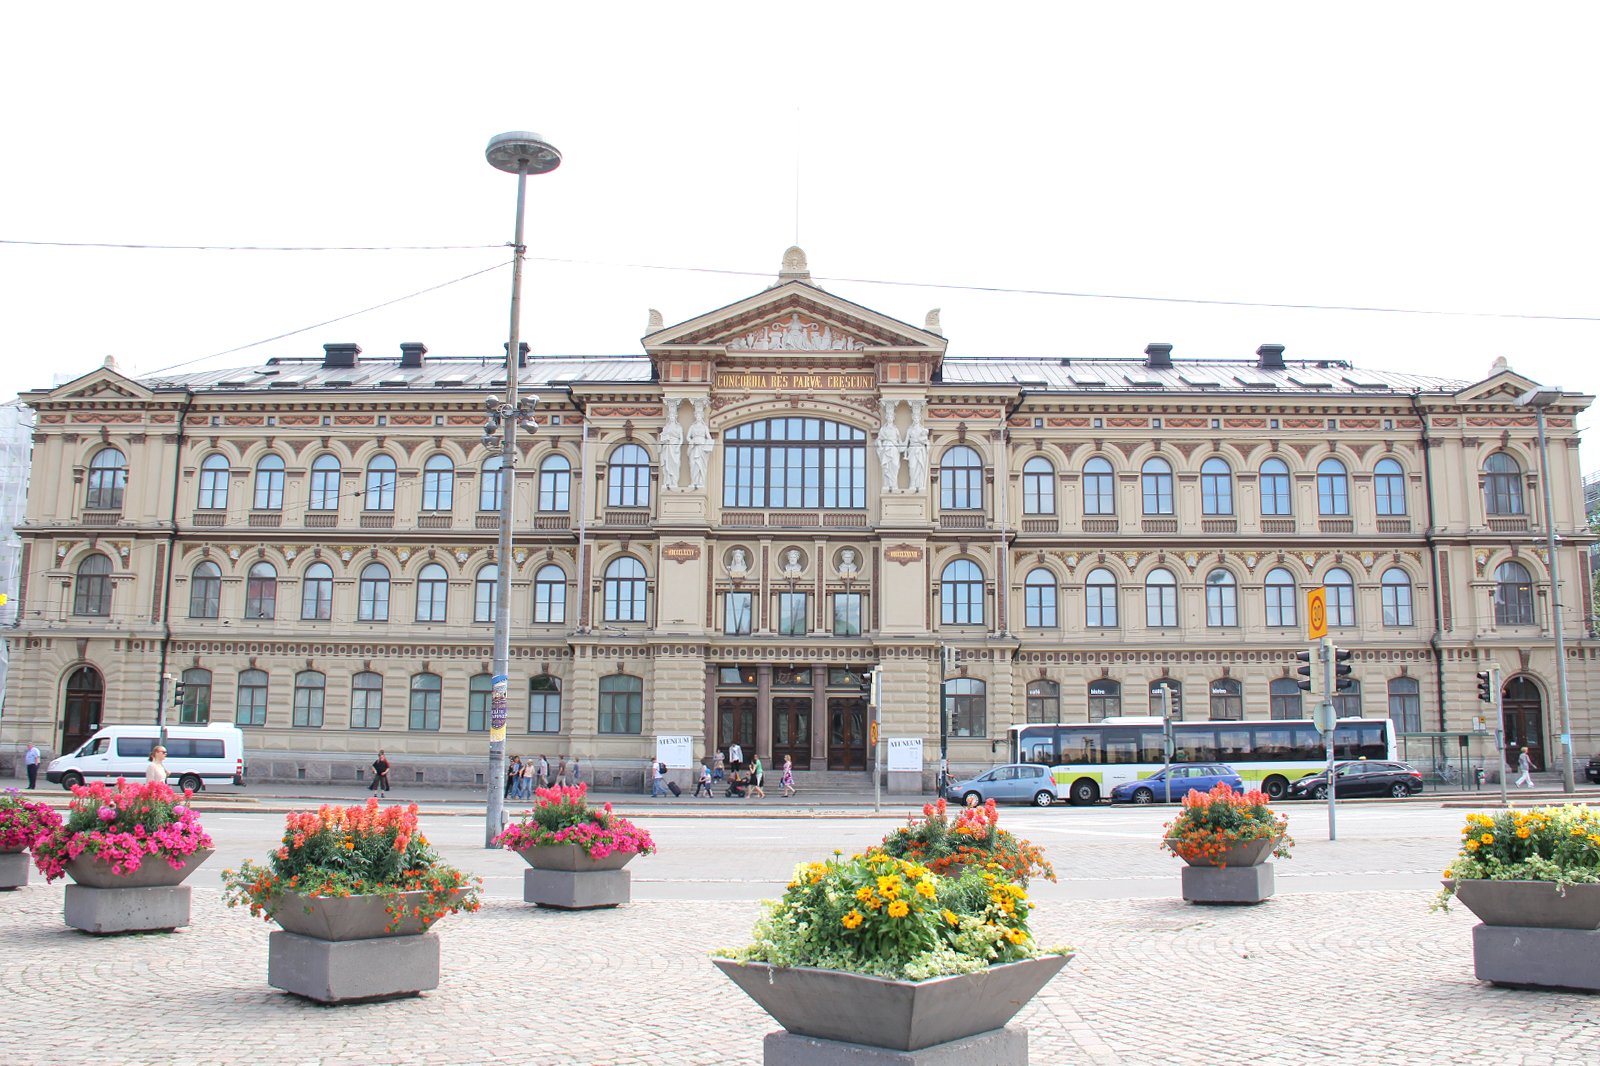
(1017, 782)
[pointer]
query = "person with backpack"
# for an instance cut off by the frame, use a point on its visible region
(704, 782)
(380, 774)
(512, 773)
(658, 785)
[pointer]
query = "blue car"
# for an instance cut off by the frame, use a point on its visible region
(1153, 789)
(1013, 783)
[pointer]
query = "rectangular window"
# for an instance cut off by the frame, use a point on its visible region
(737, 608)
(366, 702)
(309, 692)
(792, 614)
(480, 697)
(621, 704)
(847, 614)
(544, 704)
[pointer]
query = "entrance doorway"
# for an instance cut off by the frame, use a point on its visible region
(736, 724)
(1524, 711)
(847, 733)
(791, 731)
(80, 716)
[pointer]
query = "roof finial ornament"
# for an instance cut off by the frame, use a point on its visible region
(794, 266)
(110, 363)
(655, 322)
(1500, 366)
(931, 323)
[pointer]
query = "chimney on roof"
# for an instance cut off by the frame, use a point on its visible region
(522, 352)
(1158, 356)
(411, 353)
(1270, 357)
(340, 355)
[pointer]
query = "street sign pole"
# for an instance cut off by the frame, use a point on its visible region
(1332, 721)
(1500, 730)
(1166, 738)
(874, 698)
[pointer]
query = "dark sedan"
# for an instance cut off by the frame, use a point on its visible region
(1361, 778)
(1592, 771)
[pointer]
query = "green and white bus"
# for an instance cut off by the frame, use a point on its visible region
(1089, 760)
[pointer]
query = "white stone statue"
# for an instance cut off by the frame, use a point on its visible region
(847, 563)
(700, 446)
(792, 566)
(917, 450)
(671, 447)
(891, 449)
(738, 563)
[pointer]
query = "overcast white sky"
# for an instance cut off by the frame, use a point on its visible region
(1427, 156)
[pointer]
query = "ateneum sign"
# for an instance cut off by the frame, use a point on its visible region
(905, 753)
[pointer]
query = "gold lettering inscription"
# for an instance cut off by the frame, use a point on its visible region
(783, 382)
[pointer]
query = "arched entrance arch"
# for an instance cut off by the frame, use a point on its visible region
(1524, 712)
(83, 700)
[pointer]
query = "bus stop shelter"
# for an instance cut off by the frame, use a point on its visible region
(1461, 762)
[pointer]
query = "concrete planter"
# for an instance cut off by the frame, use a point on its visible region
(340, 949)
(349, 917)
(572, 858)
(91, 871)
(848, 1017)
(1533, 935)
(1245, 853)
(13, 870)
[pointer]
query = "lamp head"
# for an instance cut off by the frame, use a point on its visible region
(521, 152)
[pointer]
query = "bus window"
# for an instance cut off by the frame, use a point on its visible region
(135, 747)
(1308, 743)
(1195, 745)
(1233, 745)
(1039, 751)
(1273, 742)
(1371, 744)
(1122, 745)
(1081, 747)
(1150, 747)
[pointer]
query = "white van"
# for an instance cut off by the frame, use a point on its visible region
(198, 756)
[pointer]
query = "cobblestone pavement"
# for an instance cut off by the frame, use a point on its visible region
(1354, 977)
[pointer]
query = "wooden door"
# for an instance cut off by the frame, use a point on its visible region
(847, 733)
(736, 723)
(85, 699)
(791, 732)
(1524, 710)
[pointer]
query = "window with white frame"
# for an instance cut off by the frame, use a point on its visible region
(438, 483)
(250, 703)
(1155, 479)
(316, 593)
(625, 589)
(737, 611)
(968, 711)
(1038, 486)
(1216, 487)
(427, 701)
(1222, 599)
(550, 596)
(961, 480)
(1100, 599)
(213, 483)
(433, 593)
(555, 485)
(628, 477)
(490, 487)
(108, 479)
(1044, 701)
(381, 479)
(1502, 486)
(1161, 599)
(1039, 599)
(485, 589)
(269, 484)
(1513, 594)
(1333, 488)
(961, 594)
(372, 601)
(310, 698)
(1099, 488)
(1396, 588)
(205, 591)
(791, 621)
(261, 592)
(1276, 499)
(366, 701)
(324, 494)
(544, 704)
(1341, 595)
(1281, 597)
(1389, 487)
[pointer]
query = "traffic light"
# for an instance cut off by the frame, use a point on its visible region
(1306, 669)
(949, 660)
(1486, 686)
(1342, 681)
(177, 693)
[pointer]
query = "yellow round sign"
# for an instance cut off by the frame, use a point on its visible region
(1317, 613)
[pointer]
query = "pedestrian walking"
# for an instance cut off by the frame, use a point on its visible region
(512, 773)
(380, 774)
(757, 774)
(156, 769)
(577, 773)
(30, 760)
(1525, 765)
(561, 772)
(704, 781)
(544, 772)
(658, 785)
(735, 756)
(788, 778)
(527, 778)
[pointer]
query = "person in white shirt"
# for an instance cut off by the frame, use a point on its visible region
(30, 760)
(1525, 766)
(156, 769)
(735, 755)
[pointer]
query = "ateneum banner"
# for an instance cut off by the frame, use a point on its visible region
(676, 752)
(905, 753)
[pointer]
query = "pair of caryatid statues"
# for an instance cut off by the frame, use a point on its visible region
(674, 441)
(909, 449)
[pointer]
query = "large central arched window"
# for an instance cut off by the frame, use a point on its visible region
(794, 462)
(961, 480)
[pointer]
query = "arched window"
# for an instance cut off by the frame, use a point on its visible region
(91, 593)
(205, 591)
(1039, 593)
(1044, 701)
(961, 594)
(1222, 599)
(1227, 700)
(1099, 497)
(316, 593)
(1389, 487)
(1156, 478)
(261, 591)
(794, 462)
(1396, 597)
(480, 700)
(1276, 499)
(324, 484)
(628, 477)
(1167, 684)
(366, 701)
(621, 704)
(1341, 590)
(1513, 595)
(1105, 699)
(381, 477)
(960, 480)
(1333, 488)
(438, 483)
(555, 485)
(625, 590)
(1284, 694)
(310, 696)
(1038, 486)
(550, 595)
(196, 706)
(1502, 485)
(250, 705)
(269, 484)
(433, 593)
(490, 491)
(544, 704)
(214, 483)
(1100, 599)
(108, 477)
(1282, 606)
(1405, 704)
(1160, 599)
(427, 695)
(372, 603)
(968, 712)
(485, 593)
(1347, 704)
(1216, 487)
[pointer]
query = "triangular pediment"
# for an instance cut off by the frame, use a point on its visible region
(102, 383)
(793, 317)
(1502, 386)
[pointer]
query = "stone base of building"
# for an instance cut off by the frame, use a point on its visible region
(107, 911)
(349, 971)
(577, 890)
(1527, 957)
(1228, 885)
(997, 1047)
(13, 870)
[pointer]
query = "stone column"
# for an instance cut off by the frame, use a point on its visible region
(763, 712)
